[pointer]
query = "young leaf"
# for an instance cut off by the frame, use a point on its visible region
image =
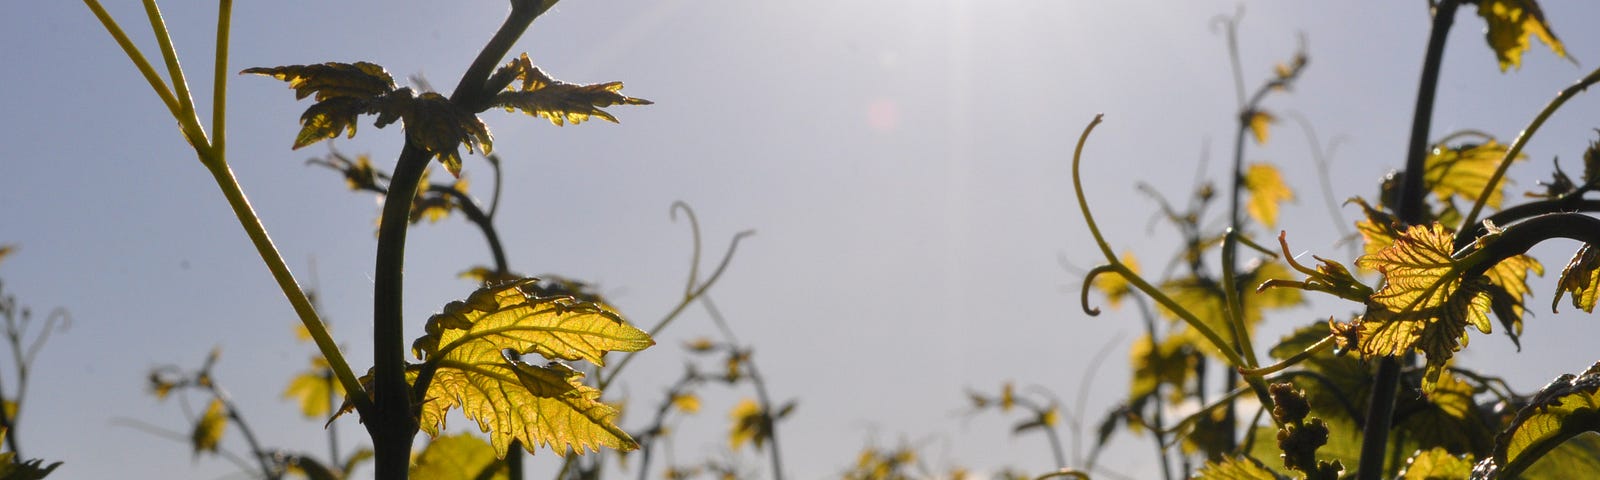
(1423, 303)
(686, 402)
(1267, 190)
(437, 125)
(1259, 122)
(1437, 463)
(750, 424)
(558, 101)
(1114, 286)
(546, 405)
(342, 92)
(1464, 171)
(1378, 230)
(1509, 290)
(1566, 408)
(1510, 24)
(1581, 278)
(207, 432)
(1237, 468)
(462, 456)
(312, 389)
(1170, 363)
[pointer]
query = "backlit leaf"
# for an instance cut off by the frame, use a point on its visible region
(1566, 408)
(686, 402)
(1204, 298)
(207, 432)
(750, 424)
(1437, 464)
(313, 388)
(539, 405)
(483, 275)
(1113, 285)
(1171, 364)
(343, 92)
(1267, 190)
(440, 127)
(462, 456)
(1510, 279)
(1378, 230)
(1423, 303)
(1581, 278)
(1236, 468)
(1464, 171)
(1260, 121)
(1511, 24)
(558, 101)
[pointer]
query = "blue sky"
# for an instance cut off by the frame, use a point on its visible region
(905, 163)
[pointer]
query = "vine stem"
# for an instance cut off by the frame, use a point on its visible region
(1386, 384)
(1522, 140)
(212, 153)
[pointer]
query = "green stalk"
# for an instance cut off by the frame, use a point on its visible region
(1380, 408)
(1522, 140)
(133, 53)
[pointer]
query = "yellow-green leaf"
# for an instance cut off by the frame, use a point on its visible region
(686, 402)
(313, 388)
(1465, 170)
(1511, 24)
(1581, 278)
(546, 405)
(1169, 363)
(1564, 409)
(1511, 277)
(558, 101)
(1113, 285)
(503, 316)
(462, 456)
(1378, 230)
(1236, 468)
(1267, 190)
(1423, 303)
(1259, 122)
(332, 79)
(1437, 464)
(486, 275)
(208, 431)
(750, 424)
(437, 125)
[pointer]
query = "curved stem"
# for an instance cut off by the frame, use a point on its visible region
(484, 222)
(1522, 140)
(1568, 204)
(1380, 408)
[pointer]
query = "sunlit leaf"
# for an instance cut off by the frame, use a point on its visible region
(1267, 190)
(207, 434)
(1581, 278)
(1566, 408)
(1509, 290)
(437, 125)
(1423, 303)
(1113, 285)
(539, 405)
(1260, 121)
(1511, 24)
(1437, 464)
(1378, 230)
(558, 101)
(1204, 298)
(13, 469)
(1578, 457)
(1170, 363)
(686, 402)
(1447, 417)
(462, 456)
(343, 92)
(485, 275)
(313, 388)
(1464, 171)
(1008, 397)
(750, 424)
(1237, 468)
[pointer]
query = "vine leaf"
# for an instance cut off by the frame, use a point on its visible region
(558, 101)
(1562, 410)
(1169, 363)
(686, 402)
(1423, 303)
(1203, 297)
(345, 91)
(1437, 463)
(1581, 278)
(12, 468)
(750, 424)
(1237, 468)
(312, 389)
(1464, 171)
(462, 456)
(1378, 230)
(539, 405)
(207, 434)
(1510, 24)
(1509, 291)
(1267, 190)
(1114, 286)
(1260, 121)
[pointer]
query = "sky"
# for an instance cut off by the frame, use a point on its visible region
(905, 164)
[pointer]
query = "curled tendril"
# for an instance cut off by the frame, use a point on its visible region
(1088, 283)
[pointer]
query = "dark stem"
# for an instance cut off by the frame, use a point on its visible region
(394, 425)
(755, 379)
(1380, 408)
(268, 470)
(1569, 203)
(484, 222)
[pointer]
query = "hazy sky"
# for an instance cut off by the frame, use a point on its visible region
(905, 162)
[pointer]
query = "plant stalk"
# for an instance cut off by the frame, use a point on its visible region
(1380, 408)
